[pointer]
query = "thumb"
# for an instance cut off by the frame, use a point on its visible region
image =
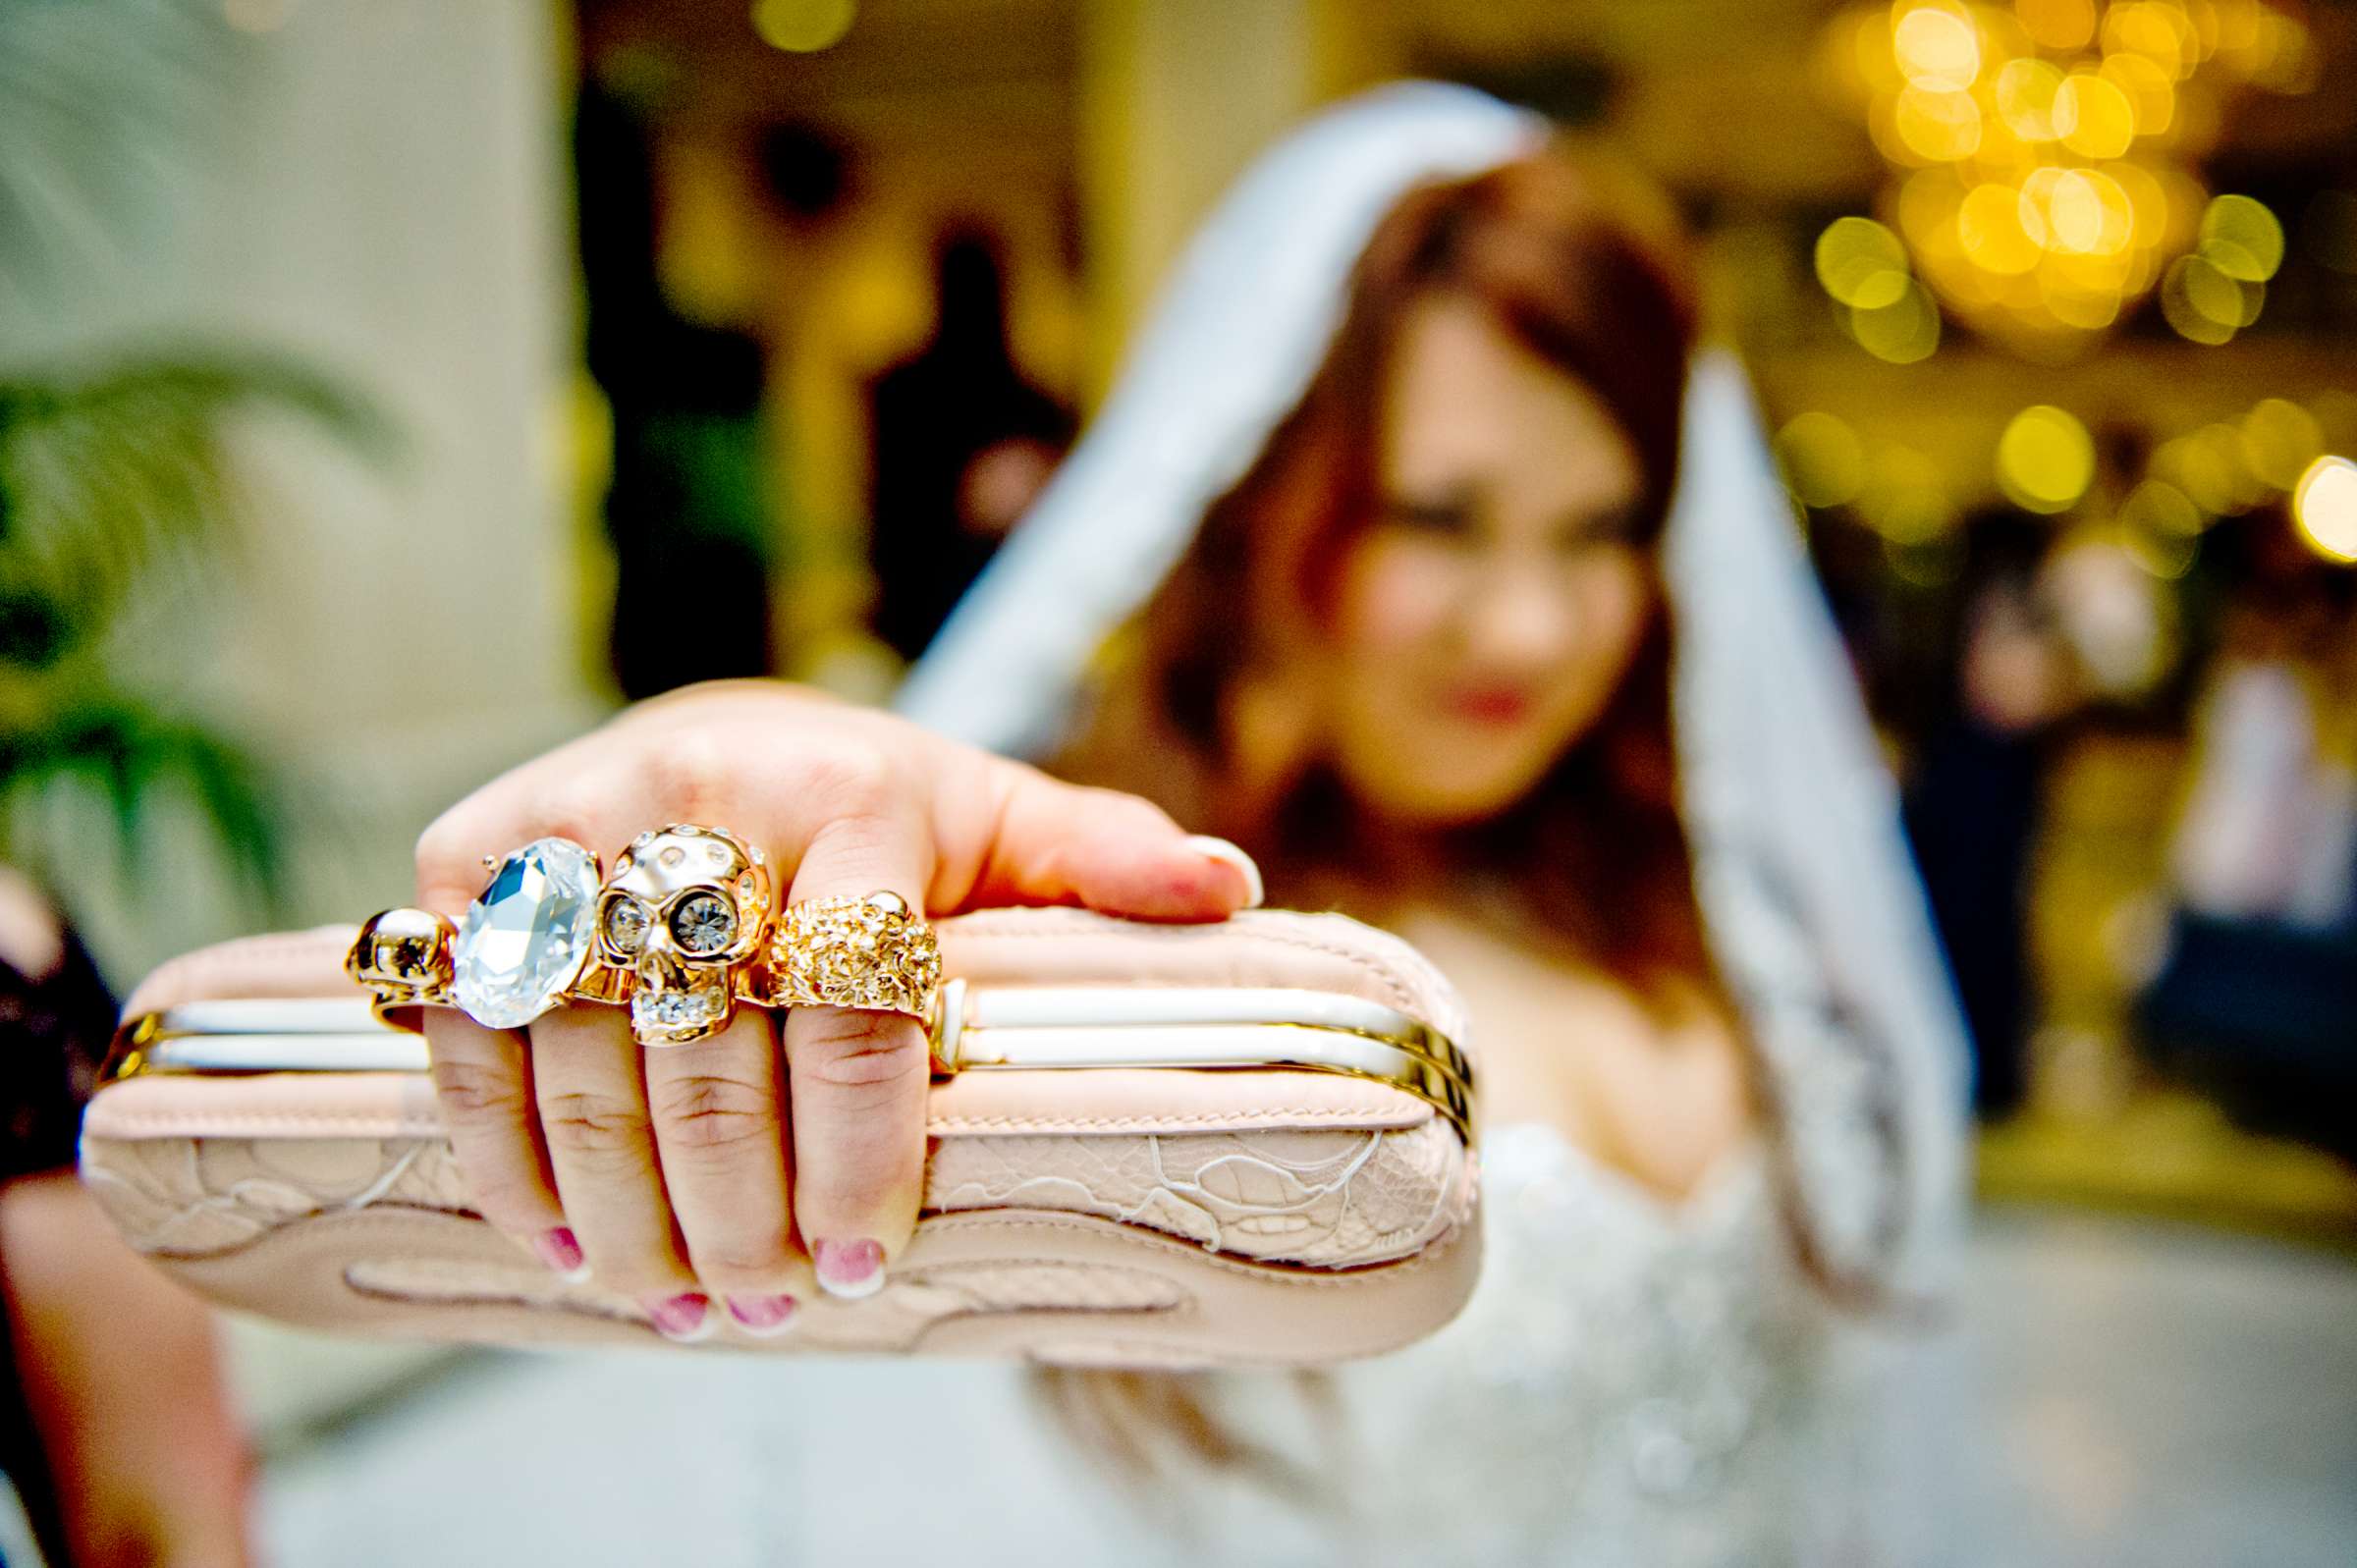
(1055, 842)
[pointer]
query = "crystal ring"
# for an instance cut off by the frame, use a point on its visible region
(674, 934)
(872, 952)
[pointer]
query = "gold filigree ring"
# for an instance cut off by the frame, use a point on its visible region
(873, 954)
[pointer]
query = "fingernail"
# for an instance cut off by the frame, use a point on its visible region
(561, 1250)
(1221, 849)
(686, 1318)
(850, 1269)
(762, 1315)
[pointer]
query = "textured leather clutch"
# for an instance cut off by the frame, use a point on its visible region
(1242, 1144)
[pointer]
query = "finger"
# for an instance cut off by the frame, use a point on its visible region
(1054, 842)
(858, 1079)
(601, 1147)
(720, 1131)
(774, 787)
(483, 1083)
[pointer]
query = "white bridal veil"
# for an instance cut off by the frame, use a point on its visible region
(1813, 908)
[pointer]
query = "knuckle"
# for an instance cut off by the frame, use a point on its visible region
(855, 1055)
(708, 1111)
(692, 773)
(570, 808)
(853, 778)
(1129, 814)
(474, 1094)
(593, 1126)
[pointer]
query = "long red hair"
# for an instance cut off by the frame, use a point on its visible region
(1583, 269)
(1586, 269)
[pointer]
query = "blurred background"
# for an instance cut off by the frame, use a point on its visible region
(362, 364)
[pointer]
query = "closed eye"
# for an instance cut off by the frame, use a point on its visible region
(1447, 516)
(1619, 526)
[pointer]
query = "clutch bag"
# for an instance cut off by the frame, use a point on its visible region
(1240, 1144)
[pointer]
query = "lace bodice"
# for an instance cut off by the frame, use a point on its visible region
(1633, 1383)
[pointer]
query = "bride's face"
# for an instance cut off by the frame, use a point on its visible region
(1493, 606)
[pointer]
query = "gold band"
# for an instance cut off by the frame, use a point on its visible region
(873, 954)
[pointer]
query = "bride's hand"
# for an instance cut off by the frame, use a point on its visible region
(691, 1171)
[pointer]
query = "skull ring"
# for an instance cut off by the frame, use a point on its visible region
(684, 912)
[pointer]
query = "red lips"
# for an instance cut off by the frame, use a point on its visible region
(1492, 702)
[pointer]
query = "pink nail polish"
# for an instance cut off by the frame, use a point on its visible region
(762, 1316)
(687, 1317)
(850, 1269)
(1228, 854)
(561, 1250)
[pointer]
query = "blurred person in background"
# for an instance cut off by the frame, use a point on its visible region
(1402, 451)
(1973, 790)
(118, 1445)
(689, 499)
(2260, 981)
(961, 445)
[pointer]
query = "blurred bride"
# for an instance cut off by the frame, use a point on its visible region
(1442, 575)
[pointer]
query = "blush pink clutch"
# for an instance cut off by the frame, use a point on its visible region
(1242, 1144)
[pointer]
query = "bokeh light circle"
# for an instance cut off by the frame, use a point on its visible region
(803, 27)
(2325, 506)
(2045, 459)
(2242, 238)
(1903, 332)
(1823, 459)
(1861, 264)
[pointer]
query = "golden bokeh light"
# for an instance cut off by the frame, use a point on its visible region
(2153, 29)
(2102, 120)
(1861, 264)
(2325, 506)
(2026, 92)
(2150, 91)
(1903, 499)
(803, 27)
(1936, 45)
(2001, 232)
(1937, 125)
(2062, 26)
(2045, 459)
(2157, 506)
(1903, 331)
(1824, 461)
(2164, 555)
(2279, 440)
(2202, 304)
(2084, 210)
(2051, 145)
(2242, 238)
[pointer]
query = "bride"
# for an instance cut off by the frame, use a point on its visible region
(1419, 554)
(1461, 594)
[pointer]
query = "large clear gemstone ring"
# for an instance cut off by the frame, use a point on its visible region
(675, 934)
